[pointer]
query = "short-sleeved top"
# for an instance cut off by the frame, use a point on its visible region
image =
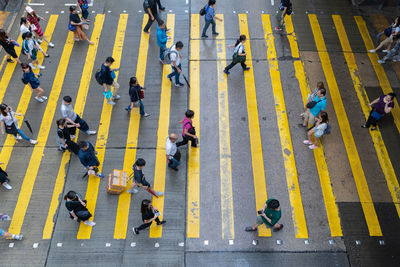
(67, 111)
(170, 148)
(319, 130)
(187, 124)
(273, 215)
(380, 105)
(175, 56)
(9, 119)
(138, 175)
(321, 105)
(74, 18)
(23, 29)
(239, 49)
(74, 206)
(210, 13)
(149, 214)
(29, 77)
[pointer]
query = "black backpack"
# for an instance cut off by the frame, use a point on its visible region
(289, 9)
(203, 10)
(146, 5)
(98, 77)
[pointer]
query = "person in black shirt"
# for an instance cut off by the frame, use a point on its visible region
(150, 7)
(286, 8)
(135, 93)
(76, 25)
(107, 77)
(77, 208)
(140, 180)
(64, 136)
(8, 44)
(149, 214)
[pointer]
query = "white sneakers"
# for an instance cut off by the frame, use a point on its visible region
(132, 191)
(159, 193)
(41, 67)
(18, 137)
(7, 186)
(112, 103)
(88, 132)
(32, 66)
(41, 99)
(17, 237)
(51, 44)
(33, 142)
(90, 223)
(116, 97)
(146, 115)
(372, 51)
(381, 61)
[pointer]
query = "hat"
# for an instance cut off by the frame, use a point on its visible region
(29, 9)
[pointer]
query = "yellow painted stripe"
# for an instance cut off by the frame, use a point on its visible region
(298, 217)
(193, 186)
(124, 200)
(37, 154)
(162, 134)
(380, 147)
(102, 134)
(257, 158)
(380, 72)
(352, 153)
(80, 101)
(26, 94)
(324, 177)
(225, 168)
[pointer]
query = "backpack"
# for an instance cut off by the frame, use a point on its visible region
(203, 10)
(327, 129)
(289, 10)
(167, 55)
(98, 77)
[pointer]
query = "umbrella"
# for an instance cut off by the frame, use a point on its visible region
(28, 125)
(186, 80)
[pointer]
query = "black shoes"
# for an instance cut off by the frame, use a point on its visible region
(162, 222)
(226, 72)
(247, 68)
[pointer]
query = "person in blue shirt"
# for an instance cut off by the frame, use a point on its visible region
(30, 78)
(210, 18)
(320, 104)
(87, 156)
(162, 39)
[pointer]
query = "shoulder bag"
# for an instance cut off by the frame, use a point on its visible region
(237, 58)
(11, 129)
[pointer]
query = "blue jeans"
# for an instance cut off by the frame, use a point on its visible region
(141, 108)
(173, 163)
(162, 49)
(207, 25)
(23, 135)
(176, 74)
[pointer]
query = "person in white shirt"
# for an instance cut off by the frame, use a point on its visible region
(68, 113)
(239, 55)
(172, 153)
(26, 27)
(176, 59)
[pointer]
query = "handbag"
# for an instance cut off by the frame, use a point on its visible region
(71, 27)
(107, 94)
(11, 129)
(177, 155)
(237, 58)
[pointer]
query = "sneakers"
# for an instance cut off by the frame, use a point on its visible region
(146, 115)
(17, 237)
(162, 8)
(204, 36)
(250, 229)
(226, 72)
(88, 132)
(159, 193)
(170, 79)
(277, 229)
(39, 99)
(5, 217)
(90, 223)
(215, 33)
(51, 44)
(10, 60)
(381, 61)
(32, 66)
(8, 187)
(132, 191)
(307, 142)
(18, 137)
(247, 68)
(112, 103)
(33, 142)
(39, 40)
(313, 147)
(43, 97)
(372, 51)
(179, 84)
(162, 222)
(116, 97)
(278, 29)
(385, 51)
(99, 175)
(136, 231)
(41, 67)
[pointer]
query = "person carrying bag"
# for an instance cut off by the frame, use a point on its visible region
(77, 208)
(239, 55)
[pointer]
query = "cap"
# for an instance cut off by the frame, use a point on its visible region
(29, 9)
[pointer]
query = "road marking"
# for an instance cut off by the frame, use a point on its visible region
(272, 2)
(257, 158)
(296, 203)
(78, 107)
(124, 199)
(225, 168)
(348, 140)
(193, 184)
(89, 4)
(162, 134)
(187, 2)
(102, 134)
(380, 72)
(331, 208)
(383, 156)
(37, 154)
(35, 4)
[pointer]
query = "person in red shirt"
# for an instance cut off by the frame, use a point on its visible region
(34, 19)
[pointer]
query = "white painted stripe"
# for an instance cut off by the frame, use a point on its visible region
(272, 2)
(187, 2)
(90, 4)
(36, 4)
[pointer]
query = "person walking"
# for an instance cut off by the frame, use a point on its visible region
(150, 7)
(162, 39)
(149, 214)
(88, 158)
(5, 234)
(29, 77)
(239, 55)
(380, 106)
(64, 136)
(390, 34)
(77, 208)
(321, 124)
(75, 25)
(314, 107)
(176, 58)
(140, 180)
(393, 53)
(9, 124)
(286, 8)
(26, 27)
(136, 96)
(67, 112)
(8, 44)
(30, 47)
(83, 6)
(172, 152)
(269, 215)
(188, 131)
(4, 181)
(107, 77)
(210, 18)
(34, 19)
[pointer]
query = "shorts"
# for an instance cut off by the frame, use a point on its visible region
(309, 116)
(1, 232)
(318, 133)
(260, 221)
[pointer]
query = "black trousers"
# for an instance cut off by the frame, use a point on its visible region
(145, 225)
(159, 3)
(149, 22)
(186, 139)
(371, 121)
(84, 126)
(230, 66)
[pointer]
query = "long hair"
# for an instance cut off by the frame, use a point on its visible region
(145, 206)
(241, 38)
(3, 108)
(324, 117)
(3, 35)
(32, 14)
(398, 22)
(23, 21)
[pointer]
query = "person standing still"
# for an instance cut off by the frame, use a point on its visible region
(172, 152)
(69, 114)
(150, 7)
(149, 214)
(162, 39)
(135, 94)
(239, 55)
(188, 131)
(314, 107)
(108, 76)
(176, 58)
(210, 18)
(269, 215)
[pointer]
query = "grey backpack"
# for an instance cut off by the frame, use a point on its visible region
(167, 55)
